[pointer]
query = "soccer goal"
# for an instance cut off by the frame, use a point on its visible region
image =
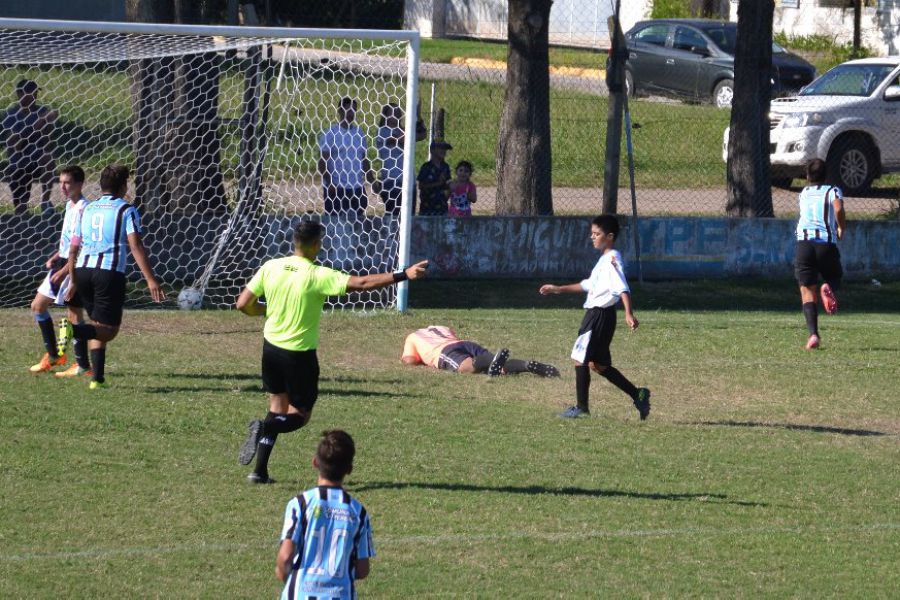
(224, 130)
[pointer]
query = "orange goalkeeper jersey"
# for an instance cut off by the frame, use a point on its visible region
(425, 344)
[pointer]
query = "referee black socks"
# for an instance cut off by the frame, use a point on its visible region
(263, 452)
(582, 386)
(811, 313)
(275, 423)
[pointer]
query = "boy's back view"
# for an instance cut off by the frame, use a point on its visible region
(326, 541)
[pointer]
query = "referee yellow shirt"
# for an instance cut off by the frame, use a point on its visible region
(295, 289)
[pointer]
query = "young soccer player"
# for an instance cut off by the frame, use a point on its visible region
(109, 227)
(53, 289)
(820, 226)
(326, 541)
(605, 288)
(295, 289)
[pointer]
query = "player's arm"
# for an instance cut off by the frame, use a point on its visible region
(379, 280)
(629, 315)
(839, 214)
(571, 288)
(473, 194)
(361, 568)
(248, 303)
(74, 249)
(286, 558)
(410, 361)
(143, 262)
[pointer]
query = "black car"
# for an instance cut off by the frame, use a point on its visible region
(694, 58)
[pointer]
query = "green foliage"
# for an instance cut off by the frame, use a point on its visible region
(671, 9)
(822, 50)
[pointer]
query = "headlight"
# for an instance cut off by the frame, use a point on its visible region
(804, 120)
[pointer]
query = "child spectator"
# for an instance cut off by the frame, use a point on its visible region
(605, 288)
(463, 193)
(326, 541)
(434, 181)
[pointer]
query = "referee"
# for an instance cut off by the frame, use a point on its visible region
(295, 289)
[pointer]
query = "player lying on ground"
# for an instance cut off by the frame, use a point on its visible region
(605, 287)
(820, 226)
(295, 289)
(438, 346)
(53, 289)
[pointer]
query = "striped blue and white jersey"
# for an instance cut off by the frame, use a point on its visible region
(106, 224)
(330, 531)
(818, 222)
(71, 225)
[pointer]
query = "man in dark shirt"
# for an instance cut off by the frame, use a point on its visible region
(27, 131)
(434, 178)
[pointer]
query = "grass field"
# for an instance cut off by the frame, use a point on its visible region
(763, 470)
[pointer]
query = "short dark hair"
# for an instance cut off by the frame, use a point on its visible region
(307, 233)
(26, 86)
(335, 454)
(607, 224)
(466, 164)
(816, 171)
(113, 178)
(347, 102)
(73, 171)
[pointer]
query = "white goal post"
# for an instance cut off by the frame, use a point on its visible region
(226, 131)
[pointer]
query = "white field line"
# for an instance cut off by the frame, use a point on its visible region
(463, 538)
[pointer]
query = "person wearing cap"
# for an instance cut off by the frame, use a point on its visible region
(27, 130)
(295, 289)
(434, 181)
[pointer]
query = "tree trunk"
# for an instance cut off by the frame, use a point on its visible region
(524, 185)
(749, 183)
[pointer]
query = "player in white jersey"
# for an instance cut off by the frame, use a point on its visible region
(605, 288)
(326, 540)
(820, 226)
(53, 288)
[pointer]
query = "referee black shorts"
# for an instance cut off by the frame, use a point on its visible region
(601, 322)
(291, 372)
(102, 293)
(812, 259)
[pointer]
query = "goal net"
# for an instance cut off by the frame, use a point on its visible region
(227, 132)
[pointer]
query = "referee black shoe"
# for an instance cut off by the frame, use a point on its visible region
(256, 478)
(642, 402)
(541, 369)
(498, 363)
(248, 450)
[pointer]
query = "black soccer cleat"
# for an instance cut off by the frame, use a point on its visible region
(256, 478)
(498, 363)
(541, 369)
(248, 449)
(642, 402)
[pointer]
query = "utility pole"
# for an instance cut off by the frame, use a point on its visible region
(615, 83)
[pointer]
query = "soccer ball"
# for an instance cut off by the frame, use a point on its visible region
(190, 299)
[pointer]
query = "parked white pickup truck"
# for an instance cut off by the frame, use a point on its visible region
(850, 117)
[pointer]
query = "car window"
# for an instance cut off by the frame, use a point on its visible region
(653, 34)
(849, 80)
(724, 37)
(688, 39)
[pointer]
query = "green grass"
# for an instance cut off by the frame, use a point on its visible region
(763, 470)
(444, 50)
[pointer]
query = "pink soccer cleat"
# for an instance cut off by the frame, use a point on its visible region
(813, 342)
(828, 300)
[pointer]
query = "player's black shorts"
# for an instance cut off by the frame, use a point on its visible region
(812, 259)
(601, 322)
(102, 292)
(291, 372)
(453, 355)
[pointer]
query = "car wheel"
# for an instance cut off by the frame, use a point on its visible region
(629, 84)
(723, 93)
(851, 163)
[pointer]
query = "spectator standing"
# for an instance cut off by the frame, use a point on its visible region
(463, 193)
(343, 164)
(434, 181)
(389, 142)
(28, 134)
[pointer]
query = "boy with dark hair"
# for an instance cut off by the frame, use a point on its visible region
(295, 289)
(605, 287)
(326, 540)
(820, 225)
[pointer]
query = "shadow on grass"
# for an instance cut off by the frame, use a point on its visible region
(258, 389)
(257, 377)
(793, 427)
(736, 294)
(537, 490)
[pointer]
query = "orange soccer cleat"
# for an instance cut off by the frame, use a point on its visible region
(48, 363)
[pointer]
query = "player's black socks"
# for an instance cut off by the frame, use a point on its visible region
(45, 323)
(482, 362)
(515, 365)
(615, 377)
(98, 359)
(275, 423)
(83, 331)
(263, 452)
(81, 353)
(811, 312)
(582, 386)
